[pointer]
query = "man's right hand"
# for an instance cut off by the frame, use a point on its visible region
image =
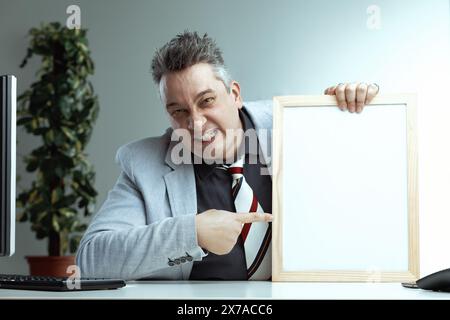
(218, 230)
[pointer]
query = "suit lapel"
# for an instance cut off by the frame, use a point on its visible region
(261, 115)
(180, 184)
(265, 143)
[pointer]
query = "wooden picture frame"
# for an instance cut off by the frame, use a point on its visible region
(328, 218)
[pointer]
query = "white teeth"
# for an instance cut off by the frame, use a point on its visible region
(209, 135)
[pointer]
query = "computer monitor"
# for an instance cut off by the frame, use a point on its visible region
(8, 164)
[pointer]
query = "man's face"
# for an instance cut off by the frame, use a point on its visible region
(196, 100)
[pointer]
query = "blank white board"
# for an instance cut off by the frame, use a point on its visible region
(345, 194)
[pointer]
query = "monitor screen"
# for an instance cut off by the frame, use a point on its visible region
(8, 164)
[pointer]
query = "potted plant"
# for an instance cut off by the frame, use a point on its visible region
(61, 109)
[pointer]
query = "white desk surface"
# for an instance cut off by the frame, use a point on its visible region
(180, 290)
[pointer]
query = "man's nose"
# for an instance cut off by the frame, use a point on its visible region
(196, 121)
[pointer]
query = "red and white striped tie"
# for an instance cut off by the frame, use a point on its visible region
(256, 236)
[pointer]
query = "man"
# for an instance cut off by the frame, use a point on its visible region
(208, 216)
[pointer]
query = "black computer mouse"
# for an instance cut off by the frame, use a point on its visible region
(438, 281)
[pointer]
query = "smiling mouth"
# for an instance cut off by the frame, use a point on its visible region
(208, 136)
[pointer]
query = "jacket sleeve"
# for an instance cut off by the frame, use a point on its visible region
(119, 244)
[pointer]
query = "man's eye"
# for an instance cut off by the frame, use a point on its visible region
(208, 100)
(177, 112)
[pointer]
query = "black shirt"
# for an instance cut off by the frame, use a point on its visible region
(213, 187)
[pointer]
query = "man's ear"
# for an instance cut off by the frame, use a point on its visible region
(235, 92)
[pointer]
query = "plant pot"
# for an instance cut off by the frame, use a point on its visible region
(55, 266)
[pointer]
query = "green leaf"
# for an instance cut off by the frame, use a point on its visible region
(67, 212)
(55, 224)
(41, 234)
(23, 217)
(32, 165)
(34, 123)
(49, 136)
(27, 57)
(55, 196)
(24, 121)
(81, 228)
(65, 107)
(69, 134)
(41, 216)
(74, 243)
(59, 138)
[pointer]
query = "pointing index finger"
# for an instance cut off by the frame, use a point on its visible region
(249, 217)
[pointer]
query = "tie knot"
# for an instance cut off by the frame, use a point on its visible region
(237, 169)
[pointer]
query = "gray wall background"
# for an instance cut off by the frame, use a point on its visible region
(271, 48)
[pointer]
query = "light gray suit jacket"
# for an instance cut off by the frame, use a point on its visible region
(147, 219)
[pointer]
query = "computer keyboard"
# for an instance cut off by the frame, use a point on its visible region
(44, 283)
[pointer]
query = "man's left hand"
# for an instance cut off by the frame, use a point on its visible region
(353, 96)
